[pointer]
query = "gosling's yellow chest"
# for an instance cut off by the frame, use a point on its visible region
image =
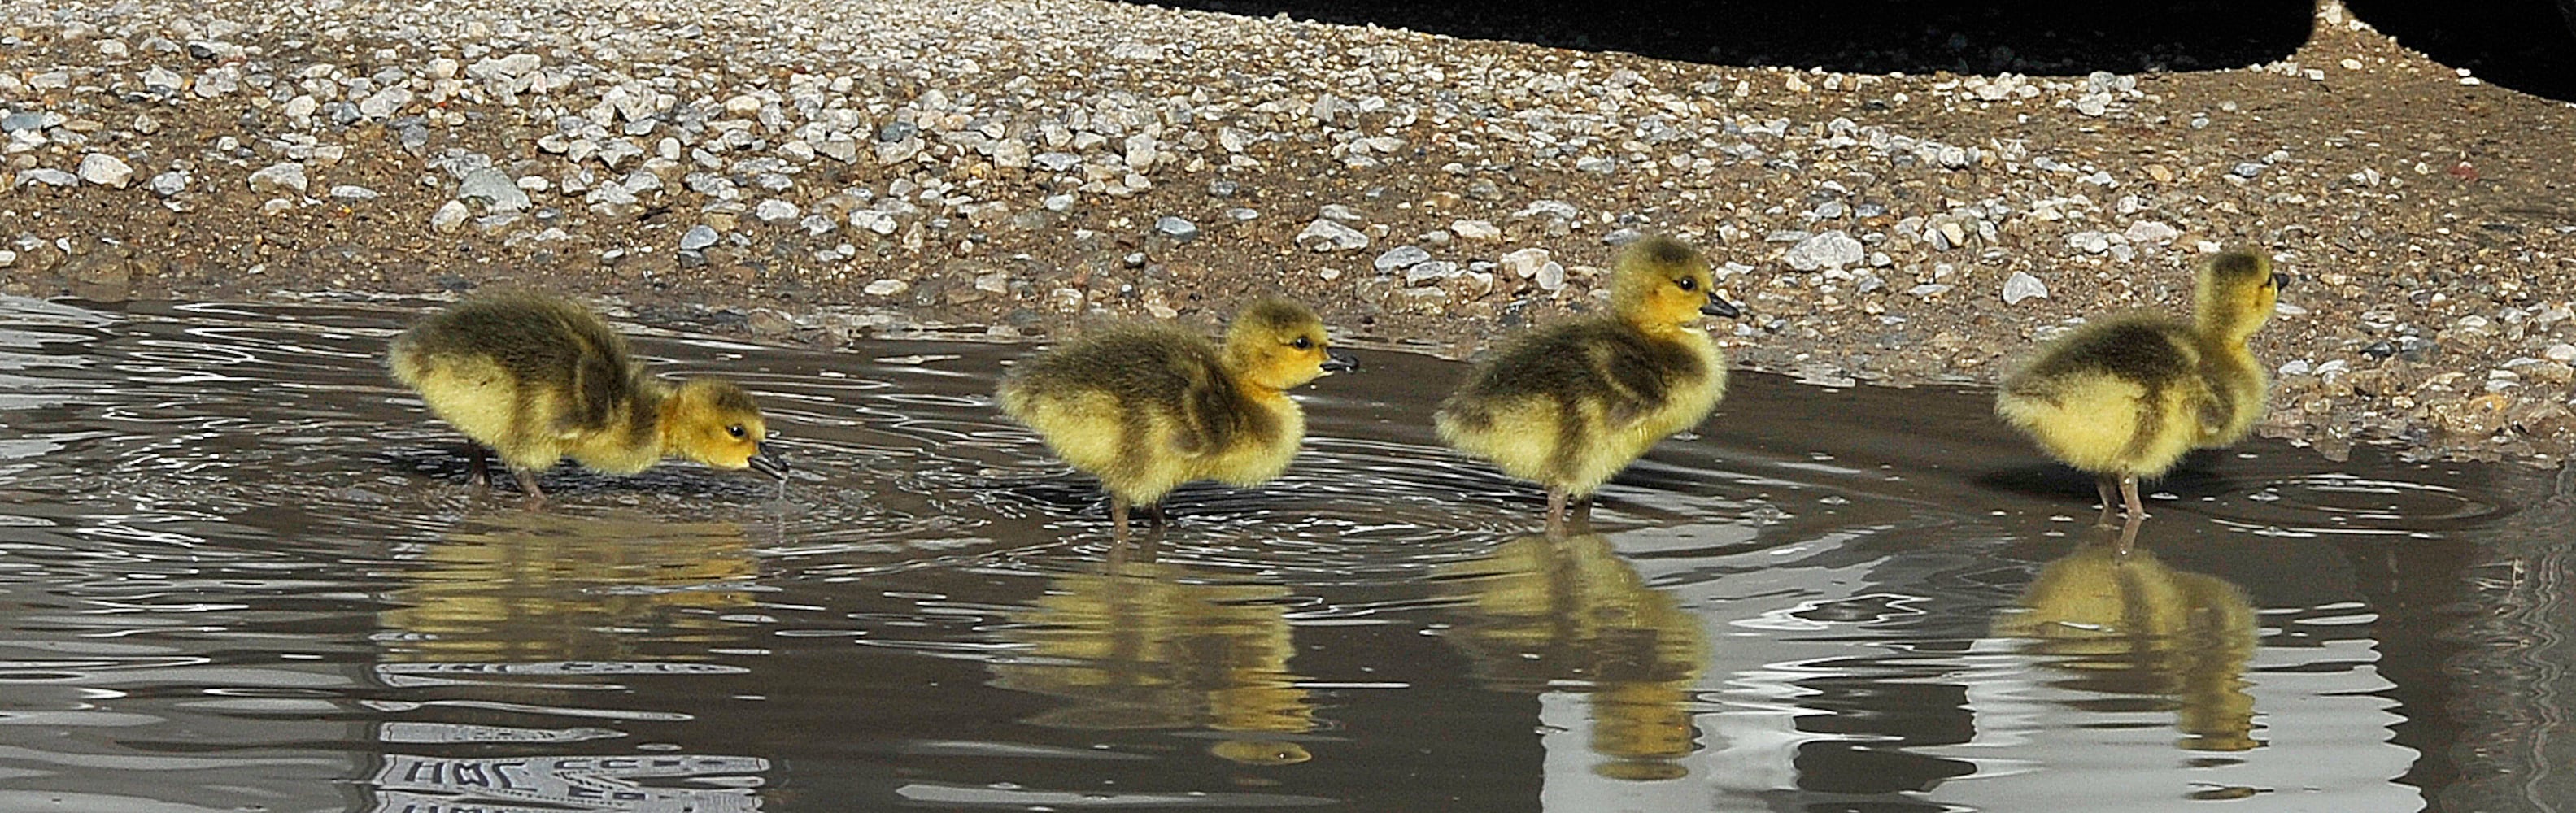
(623, 447)
(1260, 459)
(2238, 389)
(1692, 397)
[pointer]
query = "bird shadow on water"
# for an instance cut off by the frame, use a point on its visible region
(451, 465)
(2193, 478)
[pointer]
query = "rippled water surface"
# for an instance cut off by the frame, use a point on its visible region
(240, 570)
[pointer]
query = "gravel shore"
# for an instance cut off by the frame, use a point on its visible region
(808, 172)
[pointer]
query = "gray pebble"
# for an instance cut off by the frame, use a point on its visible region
(168, 183)
(2149, 232)
(698, 237)
(2023, 286)
(1401, 257)
(1430, 271)
(495, 188)
(774, 211)
(1551, 277)
(105, 170)
(1557, 209)
(1328, 235)
(48, 176)
(1176, 228)
(282, 177)
(385, 103)
(449, 217)
(1833, 249)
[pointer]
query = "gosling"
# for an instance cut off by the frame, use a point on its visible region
(1147, 408)
(538, 379)
(2125, 397)
(1570, 405)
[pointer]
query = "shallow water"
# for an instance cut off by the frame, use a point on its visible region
(240, 570)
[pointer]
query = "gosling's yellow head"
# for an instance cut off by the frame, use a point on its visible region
(1660, 283)
(1277, 344)
(714, 421)
(2237, 292)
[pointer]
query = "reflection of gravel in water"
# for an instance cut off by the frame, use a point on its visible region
(855, 167)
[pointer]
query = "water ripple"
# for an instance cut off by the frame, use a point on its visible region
(256, 561)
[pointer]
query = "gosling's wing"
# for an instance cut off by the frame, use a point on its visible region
(1210, 411)
(2217, 414)
(1151, 376)
(1559, 366)
(586, 364)
(1637, 377)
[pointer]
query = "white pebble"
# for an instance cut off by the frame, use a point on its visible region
(279, 177)
(2023, 286)
(1525, 263)
(1833, 249)
(105, 170)
(1478, 230)
(449, 217)
(698, 237)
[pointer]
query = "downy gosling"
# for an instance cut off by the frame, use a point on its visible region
(1572, 404)
(538, 379)
(2126, 396)
(1147, 408)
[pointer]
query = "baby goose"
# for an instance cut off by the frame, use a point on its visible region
(1147, 408)
(539, 379)
(1572, 404)
(2125, 397)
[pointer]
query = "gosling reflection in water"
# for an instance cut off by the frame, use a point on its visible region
(528, 587)
(1549, 611)
(2123, 623)
(1144, 645)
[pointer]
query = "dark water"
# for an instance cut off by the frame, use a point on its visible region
(239, 570)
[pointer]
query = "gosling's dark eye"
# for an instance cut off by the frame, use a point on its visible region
(1303, 343)
(734, 430)
(1688, 284)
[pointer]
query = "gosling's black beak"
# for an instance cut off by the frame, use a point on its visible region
(769, 462)
(1336, 361)
(2280, 282)
(1718, 306)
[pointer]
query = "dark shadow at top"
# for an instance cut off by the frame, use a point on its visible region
(2521, 44)
(2526, 45)
(1865, 36)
